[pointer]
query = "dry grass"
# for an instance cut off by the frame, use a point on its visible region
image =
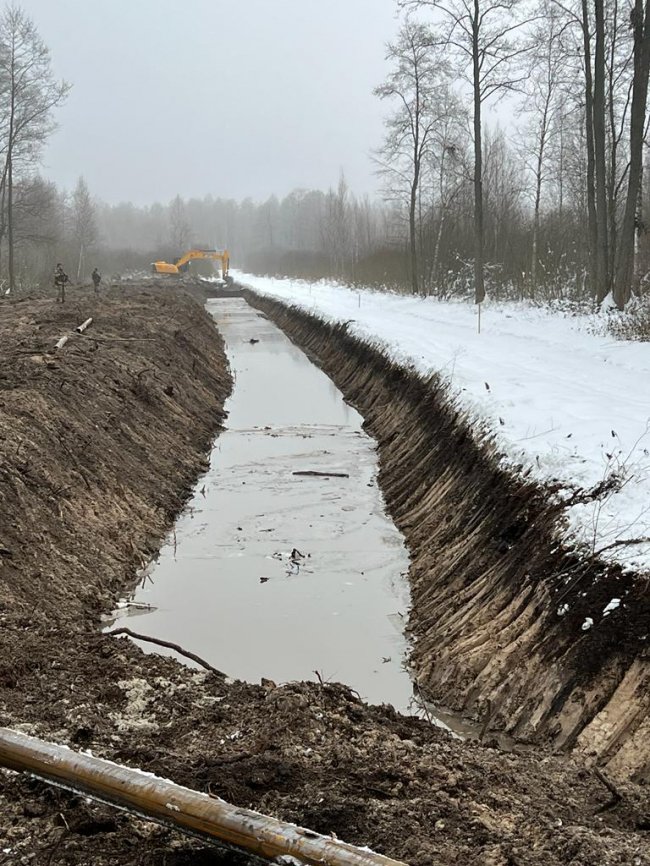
(634, 323)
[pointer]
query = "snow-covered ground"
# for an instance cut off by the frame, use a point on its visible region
(570, 403)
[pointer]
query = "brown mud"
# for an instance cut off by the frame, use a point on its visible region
(101, 444)
(488, 575)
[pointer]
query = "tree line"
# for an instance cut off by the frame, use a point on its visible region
(576, 74)
(548, 202)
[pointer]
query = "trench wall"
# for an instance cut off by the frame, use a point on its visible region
(100, 445)
(488, 574)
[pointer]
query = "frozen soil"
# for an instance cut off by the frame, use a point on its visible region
(100, 445)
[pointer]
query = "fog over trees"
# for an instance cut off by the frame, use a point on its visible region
(550, 202)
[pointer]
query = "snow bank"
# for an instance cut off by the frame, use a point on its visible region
(568, 403)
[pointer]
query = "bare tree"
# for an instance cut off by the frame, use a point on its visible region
(481, 32)
(36, 212)
(606, 55)
(450, 168)
(28, 94)
(640, 21)
(618, 65)
(336, 226)
(416, 74)
(600, 166)
(37, 227)
(83, 223)
(544, 66)
(179, 227)
(503, 188)
(268, 222)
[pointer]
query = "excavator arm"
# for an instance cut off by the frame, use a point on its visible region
(182, 264)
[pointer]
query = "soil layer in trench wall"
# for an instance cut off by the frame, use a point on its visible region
(488, 574)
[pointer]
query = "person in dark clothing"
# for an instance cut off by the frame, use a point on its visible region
(60, 279)
(97, 278)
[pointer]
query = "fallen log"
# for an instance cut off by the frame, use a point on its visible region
(173, 805)
(321, 474)
(78, 330)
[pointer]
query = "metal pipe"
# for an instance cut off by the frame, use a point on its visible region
(171, 804)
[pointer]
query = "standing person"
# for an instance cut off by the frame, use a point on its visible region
(60, 279)
(97, 278)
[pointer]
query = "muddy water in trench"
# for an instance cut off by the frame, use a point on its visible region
(225, 585)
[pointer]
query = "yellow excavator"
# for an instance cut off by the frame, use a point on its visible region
(181, 266)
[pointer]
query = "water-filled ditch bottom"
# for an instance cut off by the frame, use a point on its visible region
(280, 575)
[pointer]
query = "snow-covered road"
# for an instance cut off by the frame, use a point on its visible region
(571, 404)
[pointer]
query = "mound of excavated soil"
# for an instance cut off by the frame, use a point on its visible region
(100, 445)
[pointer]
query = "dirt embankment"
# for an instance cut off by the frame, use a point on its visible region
(488, 577)
(100, 442)
(100, 445)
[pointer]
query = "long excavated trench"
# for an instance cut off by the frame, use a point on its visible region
(101, 444)
(284, 565)
(498, 604)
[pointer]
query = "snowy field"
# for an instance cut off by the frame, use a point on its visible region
(571, 404)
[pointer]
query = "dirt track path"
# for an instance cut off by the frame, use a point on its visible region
(100, 446)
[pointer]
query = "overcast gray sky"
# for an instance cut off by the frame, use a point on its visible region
(230, 97)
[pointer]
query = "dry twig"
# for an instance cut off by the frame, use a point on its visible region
(169, 645)
(613, 790)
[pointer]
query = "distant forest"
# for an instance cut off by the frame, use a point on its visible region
(553, 206)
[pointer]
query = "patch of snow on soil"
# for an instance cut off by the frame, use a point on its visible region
(565, 400)
(134, 717)
(613, 604)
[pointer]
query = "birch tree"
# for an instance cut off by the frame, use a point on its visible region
(28, 95)
(83, 223)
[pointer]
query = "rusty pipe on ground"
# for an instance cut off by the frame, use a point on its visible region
(165, 802)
